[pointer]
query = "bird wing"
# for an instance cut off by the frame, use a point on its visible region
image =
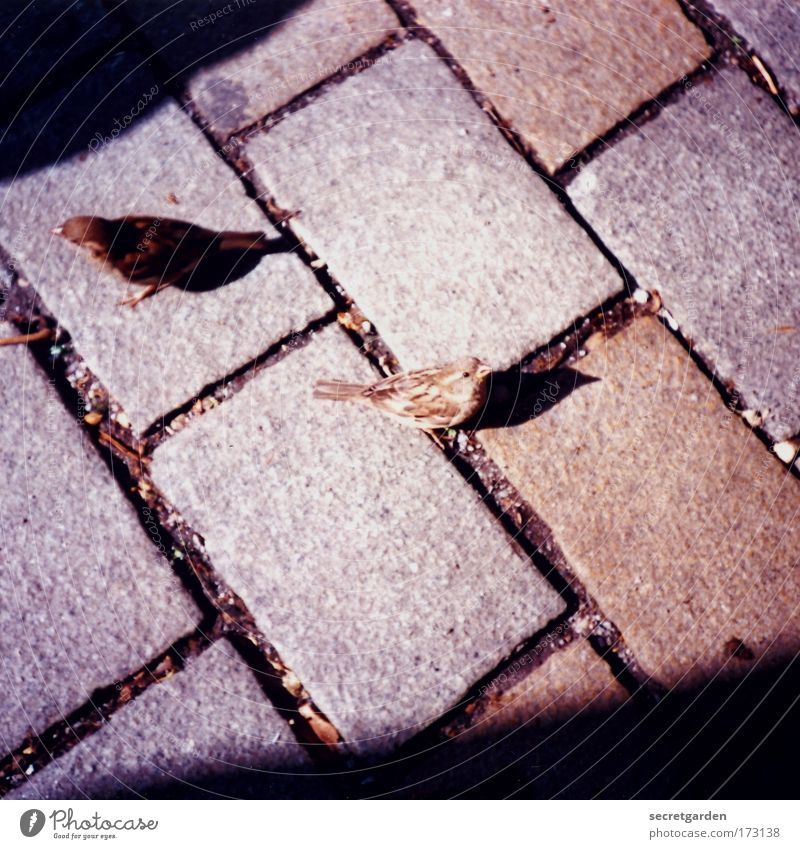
(415, 395)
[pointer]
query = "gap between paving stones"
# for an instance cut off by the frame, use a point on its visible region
(215, 393)
(583, 624)
(180, 544)
(725, 51)
(361, 63)
(38, 750)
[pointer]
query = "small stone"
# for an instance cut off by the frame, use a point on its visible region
(787, 450)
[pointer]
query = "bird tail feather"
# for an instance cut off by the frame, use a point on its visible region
(337, 390)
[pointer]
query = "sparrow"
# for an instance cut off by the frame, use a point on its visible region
(156, 252)
(429, 398)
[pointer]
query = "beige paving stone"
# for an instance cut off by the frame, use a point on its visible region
(447, 240)
(371, 564)
(558, 732)
(565, 72)
(676, 517)
(243, 64)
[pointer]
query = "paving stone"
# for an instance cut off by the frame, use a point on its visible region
(206, 731)
(443, 235)
(47, 43)
(159, 355)
(679, 521)
(564, 73)
(695, 205)
(247, 61)
(374, 568)
(555, 733)
(87, 598)
(772, 29)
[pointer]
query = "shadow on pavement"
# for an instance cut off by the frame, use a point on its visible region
(516, 396)
(731, 740)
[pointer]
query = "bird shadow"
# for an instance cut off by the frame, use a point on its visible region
(516, 396)
(221, 268)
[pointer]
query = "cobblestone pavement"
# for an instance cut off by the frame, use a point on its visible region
(214, 585)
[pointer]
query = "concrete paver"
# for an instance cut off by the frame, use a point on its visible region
(161, 354)
(207, 731)
(564, 73)
(380, 577)
(241, 64)
(86, 595)
(449, 243)
(772, 29)
(45, 44)
(701, 205)
(560, 732)
(678, 520)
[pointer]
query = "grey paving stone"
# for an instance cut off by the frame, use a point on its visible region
(159, 355)
(206, 731)
(444, 236)
(772, 29)
(701, 204)
(87, 598)
(564, 73)
(243, 63)
(383, 581)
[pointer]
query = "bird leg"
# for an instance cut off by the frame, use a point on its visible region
(132, 301)
(434, 436)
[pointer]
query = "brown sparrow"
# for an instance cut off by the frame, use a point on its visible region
(443, 396)
(156, 252)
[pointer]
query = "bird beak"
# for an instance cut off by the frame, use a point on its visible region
(57, 231)
(484, 371)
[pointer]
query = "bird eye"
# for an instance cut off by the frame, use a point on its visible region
(466, 374)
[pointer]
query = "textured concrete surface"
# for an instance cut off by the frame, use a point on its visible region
(558, 733)
(207, 731)
(381, 578)
(244, 64)
(564, 73)
(86, 596)
(679, 521)
(772, 29)
(443, 235)
(701, 205)
(159, 355)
